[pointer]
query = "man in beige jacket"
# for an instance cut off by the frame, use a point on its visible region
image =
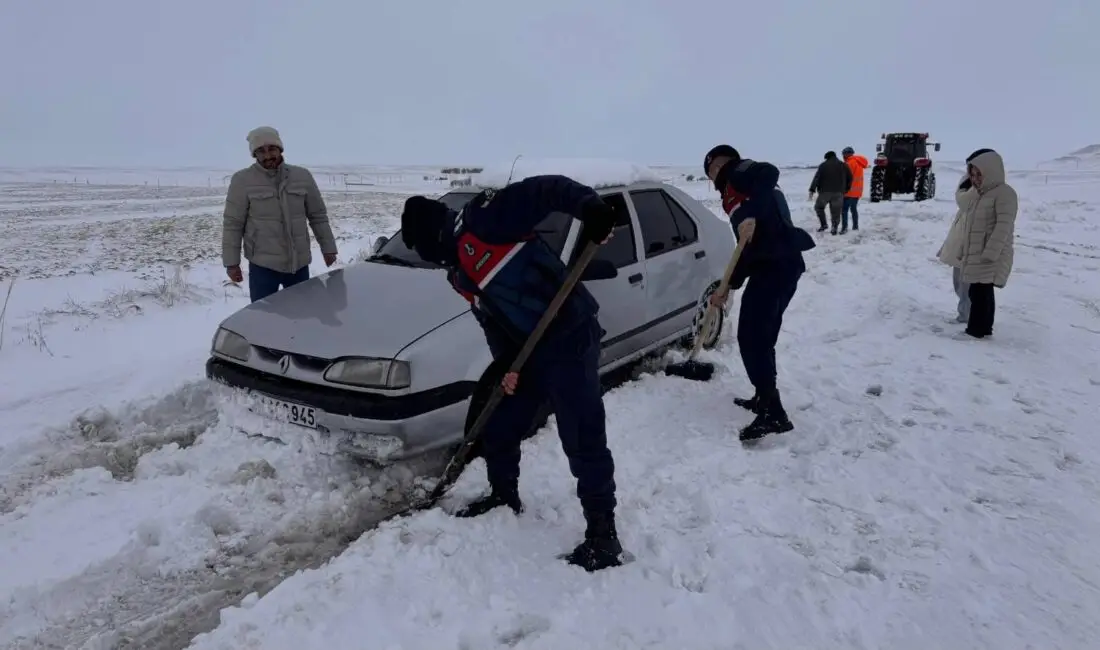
(267, 209)
(980, 244)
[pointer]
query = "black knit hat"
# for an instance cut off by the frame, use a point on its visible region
(720, 150)
(421, 220)
(830, 154)
(977, 153)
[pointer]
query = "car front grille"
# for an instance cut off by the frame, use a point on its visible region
(303, 361)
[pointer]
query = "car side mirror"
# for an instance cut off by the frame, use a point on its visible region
(600, 270)
(379, 243)
(878, 148)
(937, 146)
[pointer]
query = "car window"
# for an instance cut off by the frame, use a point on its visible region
(660, 230)
(621, 250)
(553, 230)
(457, 200)
(685, 225)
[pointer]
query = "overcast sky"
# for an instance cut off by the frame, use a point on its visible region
(154, 82)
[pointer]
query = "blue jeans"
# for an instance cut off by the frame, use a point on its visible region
(849, 204)
(262, 281)
(962, 290)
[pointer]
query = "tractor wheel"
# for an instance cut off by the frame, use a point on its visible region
(878, 185)
(924, 185)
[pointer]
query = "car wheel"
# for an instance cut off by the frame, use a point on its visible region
(715, 335)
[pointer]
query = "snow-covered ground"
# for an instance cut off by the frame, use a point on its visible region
(936, 493)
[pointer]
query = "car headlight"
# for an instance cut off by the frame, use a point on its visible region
(370, 373)
(231, 344)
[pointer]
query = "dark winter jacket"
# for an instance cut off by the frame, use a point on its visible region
(508, 273)
(776, 241)
(832, 176)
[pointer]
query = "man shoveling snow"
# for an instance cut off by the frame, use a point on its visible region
(771, 264)
(510, 277)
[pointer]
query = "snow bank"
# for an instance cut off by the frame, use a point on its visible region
(594, 172)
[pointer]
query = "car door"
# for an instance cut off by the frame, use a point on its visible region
(675, 262)
(622, 298)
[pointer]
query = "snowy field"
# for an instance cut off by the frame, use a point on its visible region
(935, 493)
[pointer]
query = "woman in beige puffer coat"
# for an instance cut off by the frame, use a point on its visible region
(980, 243)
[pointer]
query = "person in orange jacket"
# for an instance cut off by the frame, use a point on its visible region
(851, 198)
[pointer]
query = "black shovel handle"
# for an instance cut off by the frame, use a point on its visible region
(461, 457)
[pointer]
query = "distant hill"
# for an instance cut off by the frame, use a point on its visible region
(1084, 158)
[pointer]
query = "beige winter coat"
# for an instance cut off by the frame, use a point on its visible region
(980, 243)
(951, 252)
(268, 212)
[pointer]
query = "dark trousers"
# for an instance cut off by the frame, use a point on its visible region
(982, 306)
(262, 281)
(569, 379)
(767, 294)
(835, 201)
(850, 204)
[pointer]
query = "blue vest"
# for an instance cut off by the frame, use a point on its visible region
(514, 284)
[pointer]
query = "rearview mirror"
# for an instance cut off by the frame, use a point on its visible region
(379, 243)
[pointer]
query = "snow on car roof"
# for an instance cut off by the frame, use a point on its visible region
(594, 172)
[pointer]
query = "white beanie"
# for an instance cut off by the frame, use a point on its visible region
(262, 136)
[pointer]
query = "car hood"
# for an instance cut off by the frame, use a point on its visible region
(368, 309)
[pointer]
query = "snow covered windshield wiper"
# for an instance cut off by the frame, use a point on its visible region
(387, 258)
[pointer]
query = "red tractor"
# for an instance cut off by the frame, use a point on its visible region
(902, 166)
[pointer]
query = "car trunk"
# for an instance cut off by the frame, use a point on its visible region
(369, 309)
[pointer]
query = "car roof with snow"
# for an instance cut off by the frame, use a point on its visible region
(598, 173)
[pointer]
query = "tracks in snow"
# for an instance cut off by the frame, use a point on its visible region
(135, 529)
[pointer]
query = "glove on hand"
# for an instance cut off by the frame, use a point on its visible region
(966, 184)
(599, 220)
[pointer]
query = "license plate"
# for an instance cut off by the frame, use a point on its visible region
(305, 416)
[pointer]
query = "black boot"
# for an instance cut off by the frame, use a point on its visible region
(751, 404)
(505, 496)
(771, 417)
(601, 548)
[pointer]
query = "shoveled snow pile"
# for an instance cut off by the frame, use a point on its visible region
(594, 172)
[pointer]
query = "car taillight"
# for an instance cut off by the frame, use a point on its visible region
(880, 161)
(922, 162)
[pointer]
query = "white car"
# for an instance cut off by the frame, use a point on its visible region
(385, 355)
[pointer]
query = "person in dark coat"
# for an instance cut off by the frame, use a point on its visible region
(510, 275)
(770, 266)
(831, 181)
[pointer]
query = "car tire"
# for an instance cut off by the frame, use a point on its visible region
(700, 311)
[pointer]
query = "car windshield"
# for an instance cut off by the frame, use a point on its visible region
(396, 252)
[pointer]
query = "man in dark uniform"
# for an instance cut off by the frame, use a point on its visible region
(771, 263)
(497, 262)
